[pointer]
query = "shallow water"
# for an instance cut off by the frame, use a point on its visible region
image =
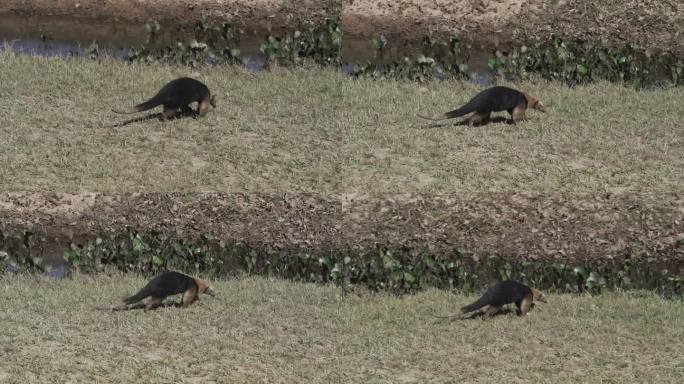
(66, 37)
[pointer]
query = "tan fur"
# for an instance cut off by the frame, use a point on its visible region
(490, 311)
(202, 287)
(476, 119)
(190, 296)
(203, 107)
(534, 103)
(518, 114)
(153, 302)
(537, 295)
(526, 304)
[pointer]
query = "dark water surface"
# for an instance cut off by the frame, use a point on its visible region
(65, 37)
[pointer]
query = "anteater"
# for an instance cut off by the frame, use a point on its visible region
(506, 292)
(178, 94)
(494, 99)
(165, 284)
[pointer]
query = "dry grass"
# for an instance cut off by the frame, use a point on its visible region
(276, 331)
(320, 131)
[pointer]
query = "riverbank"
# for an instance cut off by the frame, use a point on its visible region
(486, 24)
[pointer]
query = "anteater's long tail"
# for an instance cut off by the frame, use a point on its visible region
(143, 293)
(149, 104)
(121, 307)
(481, 302)
(471, 106)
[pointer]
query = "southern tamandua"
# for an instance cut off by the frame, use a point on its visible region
(178, 94)
(490, 100)
(165, 284)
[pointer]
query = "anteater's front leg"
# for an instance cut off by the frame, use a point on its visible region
(189, 296)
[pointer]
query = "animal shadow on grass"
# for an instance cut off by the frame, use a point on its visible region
(141, 305)
(480, 314)
(180, 114)
(464, 122)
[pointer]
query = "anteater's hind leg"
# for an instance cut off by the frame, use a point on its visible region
(478, 118)
(186, 110)
(168, 113)
(153, 303)
(491, 311)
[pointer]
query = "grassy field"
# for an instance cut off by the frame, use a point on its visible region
(320, 131)
(257, 330)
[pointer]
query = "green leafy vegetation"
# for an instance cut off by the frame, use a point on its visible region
(439, 59)
(397, 270)
(576, 62)
(212, 44)
(24, 253)
(569, 61)
(322, 45)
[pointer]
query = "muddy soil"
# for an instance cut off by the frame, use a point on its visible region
(537, 226)
(657, 24)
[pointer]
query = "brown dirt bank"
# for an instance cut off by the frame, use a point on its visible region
(560, 226)
(651, 23)
(656, 24)
(256, 15)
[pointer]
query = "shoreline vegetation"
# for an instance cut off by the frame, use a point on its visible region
(486, 23)
(557, 58)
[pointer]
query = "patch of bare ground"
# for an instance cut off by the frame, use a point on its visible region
(537, 226)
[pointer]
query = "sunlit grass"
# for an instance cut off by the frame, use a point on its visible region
(258, 330)
(321, 131)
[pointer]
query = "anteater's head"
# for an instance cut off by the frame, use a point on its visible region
(202, 287)
(537, 295)
(534, 103)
